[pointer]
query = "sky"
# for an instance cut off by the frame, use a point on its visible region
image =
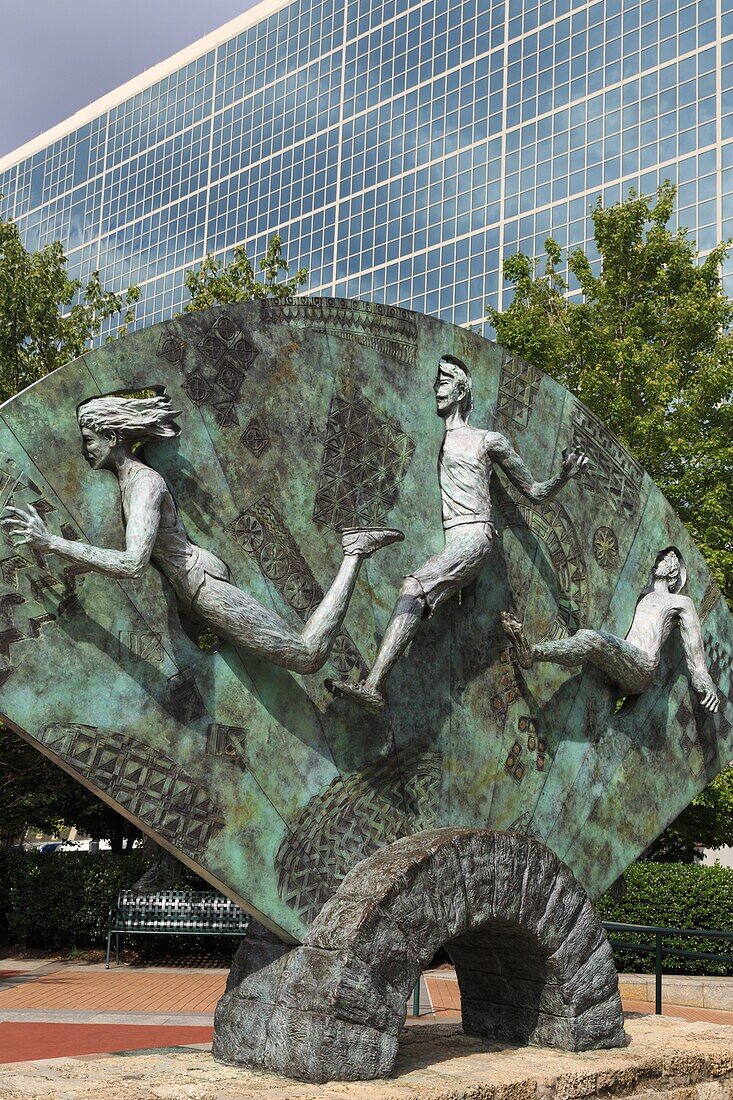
(56, 56)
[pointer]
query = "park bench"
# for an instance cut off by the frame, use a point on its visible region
(173, 913)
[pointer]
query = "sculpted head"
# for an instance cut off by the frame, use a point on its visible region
(670, 568)
(453, 387)
(110, 423)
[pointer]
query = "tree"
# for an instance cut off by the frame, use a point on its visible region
(216, 283)
(648, 348)
(46, 318)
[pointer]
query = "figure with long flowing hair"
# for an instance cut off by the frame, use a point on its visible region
(112, 429)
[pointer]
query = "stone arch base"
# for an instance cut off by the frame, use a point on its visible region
(533, 962)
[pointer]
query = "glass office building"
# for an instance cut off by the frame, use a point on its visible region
(400, 147)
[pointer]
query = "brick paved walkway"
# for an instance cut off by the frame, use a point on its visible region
(59, 1009)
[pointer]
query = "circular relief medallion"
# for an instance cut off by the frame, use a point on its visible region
(605, 547)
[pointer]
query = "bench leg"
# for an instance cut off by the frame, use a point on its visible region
(117, 953)
(109, 947)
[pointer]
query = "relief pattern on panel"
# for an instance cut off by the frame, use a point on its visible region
(225, 354)
(262, 532)
(27, 583)
(365, 458)
(611, 473)
(147, 784)
(357, 814)
(519, 384)
(552, 525)
(389, 330)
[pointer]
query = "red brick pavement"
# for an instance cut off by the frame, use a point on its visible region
(29, 1042)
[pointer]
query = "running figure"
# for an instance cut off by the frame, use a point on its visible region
(631, 662)
(464, 471)
(110, 428)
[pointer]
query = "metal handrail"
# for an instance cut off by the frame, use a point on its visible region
(659, 950)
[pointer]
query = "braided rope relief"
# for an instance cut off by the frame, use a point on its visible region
(261, 531)
(389, 330)
(357, 814)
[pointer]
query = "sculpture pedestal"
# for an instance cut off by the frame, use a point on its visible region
(532, 960)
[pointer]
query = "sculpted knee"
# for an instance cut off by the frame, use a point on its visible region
(412, 589)
(308, 660)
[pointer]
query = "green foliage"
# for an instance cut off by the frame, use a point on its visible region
(670, 895)
(648, 349)
(61, 901)
(36, 794)
(217, 284)
(46, 318)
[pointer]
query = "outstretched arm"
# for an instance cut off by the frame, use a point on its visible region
(502, 452)
(27, 528)
(694, 650)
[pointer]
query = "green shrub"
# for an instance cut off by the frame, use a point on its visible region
(61, 900)
(674, 895)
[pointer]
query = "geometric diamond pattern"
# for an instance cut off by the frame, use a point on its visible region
(215, 384)
(151, 787)
(519, 384)
(365, 457)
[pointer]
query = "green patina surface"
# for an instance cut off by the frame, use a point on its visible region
(298, 419)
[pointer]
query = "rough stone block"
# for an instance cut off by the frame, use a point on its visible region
(317, 980)
(476, 854)
(316, 1047)
(510, 854)
(594, 981)
(240, 1030)
(601, 1025)
(352, 924)
(582, 940)
(540, 875)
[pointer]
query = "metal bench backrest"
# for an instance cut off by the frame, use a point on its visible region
(179, 911)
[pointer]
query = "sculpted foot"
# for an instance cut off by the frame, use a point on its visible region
(363, 541)
(515, 633)
(360, 693)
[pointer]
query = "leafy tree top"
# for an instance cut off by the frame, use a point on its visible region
(648, 348)
(46, 318)
(217, 283)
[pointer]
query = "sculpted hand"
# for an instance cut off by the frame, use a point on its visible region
(573, 463)
(26, 527)
(705, 688)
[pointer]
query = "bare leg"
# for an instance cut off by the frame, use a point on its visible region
(627, 665)
(401, 629)
(246, 622)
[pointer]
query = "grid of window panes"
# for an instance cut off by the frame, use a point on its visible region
(401, 148)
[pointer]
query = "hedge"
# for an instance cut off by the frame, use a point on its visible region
(61, 900)
(674, 895)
